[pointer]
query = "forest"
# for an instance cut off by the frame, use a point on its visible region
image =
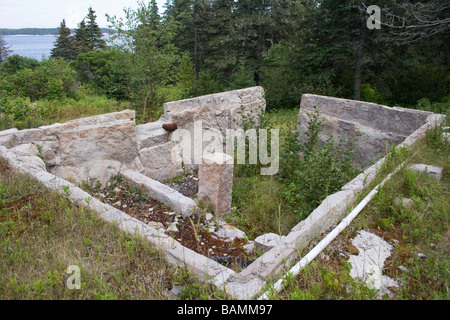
(197, 47)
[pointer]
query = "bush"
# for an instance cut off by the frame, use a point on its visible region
(105, 72)
(322, 169)
(368, 93)
(17, 108)
(52, 79)
(442, 107)
(16, 63)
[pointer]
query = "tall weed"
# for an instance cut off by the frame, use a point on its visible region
(313, 169)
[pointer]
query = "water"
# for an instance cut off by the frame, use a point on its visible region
(30, 46)
(36, 47)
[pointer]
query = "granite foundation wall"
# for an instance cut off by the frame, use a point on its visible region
(375, 127)
(21, 153)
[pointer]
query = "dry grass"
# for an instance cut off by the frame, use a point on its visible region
(42, 234)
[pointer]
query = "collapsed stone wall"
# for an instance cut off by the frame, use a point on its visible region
(86, 149)
(95, 148)
(375, 126)
(242, 285)
(216, 112)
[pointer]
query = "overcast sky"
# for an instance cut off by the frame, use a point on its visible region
(16, 14)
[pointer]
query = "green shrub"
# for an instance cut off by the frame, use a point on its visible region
(51, 79)
(442, 107)
(16, 63)
(370, 94)
(322, 169)
(435, 139)
(17, 108)
(6, 122)
(104, 72)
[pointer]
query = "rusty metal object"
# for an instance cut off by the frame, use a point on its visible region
(170, 127)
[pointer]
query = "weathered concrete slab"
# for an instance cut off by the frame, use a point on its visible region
(369, 263)
(84, 149)
(244, 288)
(7, 136)
(161, 162)
(399, 121)
(216, 113)
(151, 134)
(229, 232)
(267, 241)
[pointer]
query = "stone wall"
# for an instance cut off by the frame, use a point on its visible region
(376, 126)
(87, 149)
(216, 112)
(245, 284)
(94, 148)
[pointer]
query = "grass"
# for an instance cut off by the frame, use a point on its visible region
(46, 112)
(421, 232)
(260, 201)
(42, 234)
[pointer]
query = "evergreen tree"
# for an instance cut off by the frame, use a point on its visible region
(193, 19)
(259, 24)
(4, 50)
(93, 32)
(335, 45)
(81, 39)
(63, 46)
(243, 77)
(88, 35)
(221, 49)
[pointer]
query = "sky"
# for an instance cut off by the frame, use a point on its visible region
(16, 14)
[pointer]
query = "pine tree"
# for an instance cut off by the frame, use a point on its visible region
(336, 43)
(221, 48)
(193, 19)
(4, 50)
(64, 45)
(93, 32)
(243, 77)
(80, 39)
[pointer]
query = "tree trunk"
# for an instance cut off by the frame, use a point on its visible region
(362, 39)
(196, 50)
(259, 50)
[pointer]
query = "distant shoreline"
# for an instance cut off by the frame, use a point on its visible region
(30, 35)
(39, 31)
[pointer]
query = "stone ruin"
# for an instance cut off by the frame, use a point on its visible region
(96, 148)
(375, 126)
(93, 149)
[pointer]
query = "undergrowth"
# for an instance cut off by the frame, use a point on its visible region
(419, 233)
(263, 204)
